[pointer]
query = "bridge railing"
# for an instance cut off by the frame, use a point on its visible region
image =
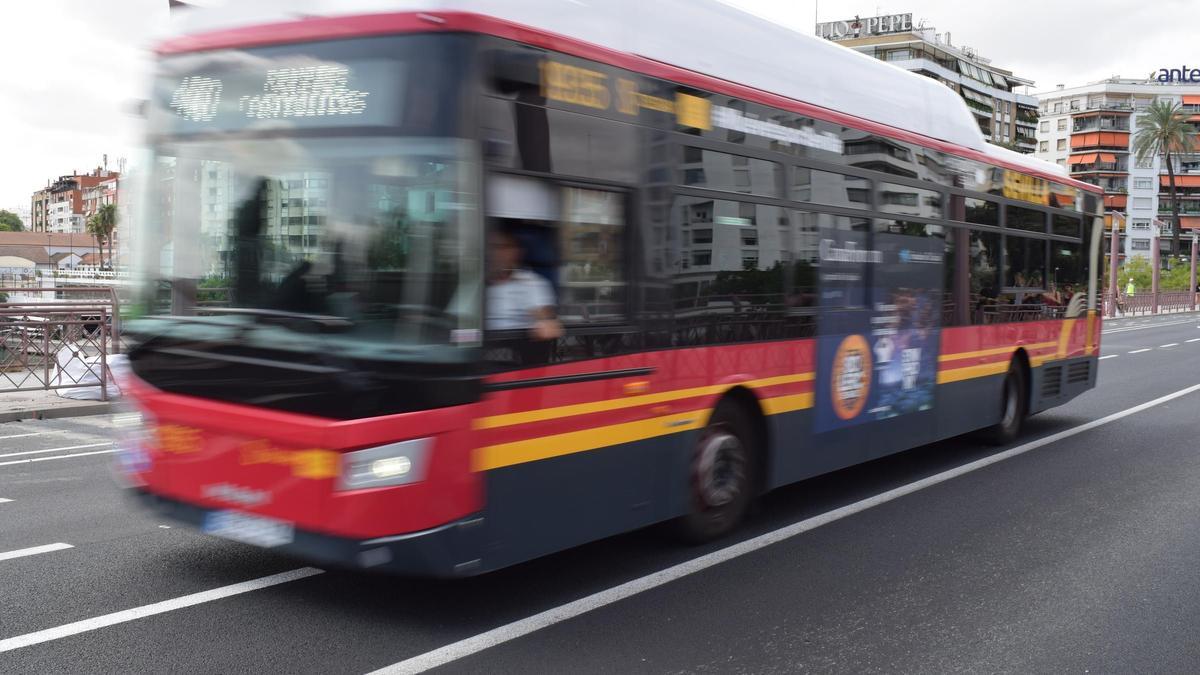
(58, 338)
(1141, 304)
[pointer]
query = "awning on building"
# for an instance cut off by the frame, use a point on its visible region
(1115, 201)
(1189, 222)
(1089, 158)
(1111, 139)
(1191, 99)
(1180, 181)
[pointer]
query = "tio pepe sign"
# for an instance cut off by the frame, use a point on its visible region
(856, 27)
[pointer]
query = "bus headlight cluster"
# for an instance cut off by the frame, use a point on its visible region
(392, 464)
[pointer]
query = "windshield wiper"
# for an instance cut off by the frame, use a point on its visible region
(324, 323)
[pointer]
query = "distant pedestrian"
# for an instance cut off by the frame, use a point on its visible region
(1130, 288)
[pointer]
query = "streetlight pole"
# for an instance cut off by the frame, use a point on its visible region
(1114, 254)
(1155, 258)
(1192, 276)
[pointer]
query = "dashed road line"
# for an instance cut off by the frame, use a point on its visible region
(103, 621)
(42, 452)
(1139, 351)
(1169, 345)
(1193, 340)
(4, 501)
(31, 460)
(1110, 356)
(33, 550)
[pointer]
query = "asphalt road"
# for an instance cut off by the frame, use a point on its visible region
(1078, 553)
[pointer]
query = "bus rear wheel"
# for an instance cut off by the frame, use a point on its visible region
(720, 475)
(1014, 407)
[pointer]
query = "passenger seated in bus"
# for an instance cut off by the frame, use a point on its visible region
(516, 297)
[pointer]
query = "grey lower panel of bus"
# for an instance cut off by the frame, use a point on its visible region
(553, 504)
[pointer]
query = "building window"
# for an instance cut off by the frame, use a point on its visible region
(1139, 245)
(1061, 162)
(1062, 144)
(1062, 124)
(1143, 183)
(1044, 146)
(1058, 106)
(1075, 104)
(1141, 224)
(1045, 126)
(1142, 202)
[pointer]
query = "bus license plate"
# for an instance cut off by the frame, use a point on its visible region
(248, 529)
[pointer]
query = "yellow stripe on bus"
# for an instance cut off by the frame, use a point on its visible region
(992, 352)
(970, 372)
(557, 445)
(606, 405)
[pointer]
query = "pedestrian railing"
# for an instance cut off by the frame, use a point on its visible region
(64, 341)
(1140, 304)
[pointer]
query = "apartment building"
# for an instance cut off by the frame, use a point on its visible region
(66, 202)
(1005, 116)
(1089, 130)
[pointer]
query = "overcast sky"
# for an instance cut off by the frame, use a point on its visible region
(71, 65)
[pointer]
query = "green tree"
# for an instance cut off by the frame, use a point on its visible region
(1163, 130)
(101, 225)
(10, 222)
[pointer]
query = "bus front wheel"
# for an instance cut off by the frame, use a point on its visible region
(720, 475)
(1014, 407)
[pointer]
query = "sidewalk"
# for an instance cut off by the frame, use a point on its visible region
(41, 405)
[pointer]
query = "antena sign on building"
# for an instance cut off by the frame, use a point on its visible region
(873, 25)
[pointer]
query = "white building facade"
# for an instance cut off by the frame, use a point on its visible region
(1089, 130)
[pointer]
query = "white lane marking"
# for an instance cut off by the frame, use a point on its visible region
(30, 460)
(4, 501)
(1193, 340)
(1169, 345)
(172, 604)
(42, 452)
(1126, 329)
(34, 550)
(1139, 351)
(1110, 356)
(34, 433)
(522, 627)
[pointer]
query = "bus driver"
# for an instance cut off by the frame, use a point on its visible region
(516, 297)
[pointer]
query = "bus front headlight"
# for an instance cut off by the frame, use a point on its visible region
(384, 466)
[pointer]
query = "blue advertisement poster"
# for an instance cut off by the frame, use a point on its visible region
(879, 335)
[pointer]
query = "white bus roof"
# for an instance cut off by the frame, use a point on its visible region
(704, 36)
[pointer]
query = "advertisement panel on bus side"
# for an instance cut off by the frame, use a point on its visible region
(879, 335)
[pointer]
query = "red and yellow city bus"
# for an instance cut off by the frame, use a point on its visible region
(759, 275)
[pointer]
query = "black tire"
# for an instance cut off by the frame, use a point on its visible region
(1014, 407)
(721, 475)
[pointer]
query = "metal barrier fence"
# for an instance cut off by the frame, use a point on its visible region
(1140, 304)
(63, 342)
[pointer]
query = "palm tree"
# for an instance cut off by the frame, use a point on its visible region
(95, 229)
(106, 219)
(1163, 130)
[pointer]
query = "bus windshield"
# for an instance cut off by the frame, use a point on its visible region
(293, 182)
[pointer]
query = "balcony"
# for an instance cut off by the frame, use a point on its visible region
(1124, 106)
(1099, 123)
(1098, 162)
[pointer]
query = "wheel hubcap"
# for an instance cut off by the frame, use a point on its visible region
(719, 469)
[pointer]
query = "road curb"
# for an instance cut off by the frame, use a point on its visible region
(59, 412)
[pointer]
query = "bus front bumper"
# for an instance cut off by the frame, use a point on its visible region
(450, 550)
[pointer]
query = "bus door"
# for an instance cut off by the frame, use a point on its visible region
(560, 342)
